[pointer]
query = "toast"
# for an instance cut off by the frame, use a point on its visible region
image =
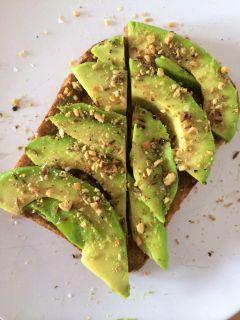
(71, 91)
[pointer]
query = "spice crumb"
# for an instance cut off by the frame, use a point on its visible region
(212, 217)
(171, 24)
(61, 19)
(176, 241)
(147, 19)
(22, 53)
(76, 13)
(224, 70)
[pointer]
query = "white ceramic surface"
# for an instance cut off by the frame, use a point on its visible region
(37, 271)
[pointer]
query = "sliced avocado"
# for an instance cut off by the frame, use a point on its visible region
(85, 217)
(103, 131)
(219, 93)
(105, 84)
(177, 73)
(187, 122)
(105, 80)
(148, 232)
(111, 51)
(66, 153)
(153, 163)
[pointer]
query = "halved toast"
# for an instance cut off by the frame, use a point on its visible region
(71, 91)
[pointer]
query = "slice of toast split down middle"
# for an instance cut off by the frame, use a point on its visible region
(69, 90)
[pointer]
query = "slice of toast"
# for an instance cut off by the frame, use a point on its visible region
(71, 92)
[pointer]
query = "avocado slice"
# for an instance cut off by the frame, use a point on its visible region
(192, 138)
(219, 93)
(66, 153)
(103, 131)
(111, 51)
(177, 73)
(148, 232)
(105, 80)
(153, 163)
(85, 217)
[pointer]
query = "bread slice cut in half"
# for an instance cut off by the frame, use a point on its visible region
(132, 129)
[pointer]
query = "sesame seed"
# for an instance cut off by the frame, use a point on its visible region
(69, 295)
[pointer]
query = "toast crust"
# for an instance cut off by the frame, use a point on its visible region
(136, 258)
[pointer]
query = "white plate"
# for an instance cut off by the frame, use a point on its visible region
(37, 270)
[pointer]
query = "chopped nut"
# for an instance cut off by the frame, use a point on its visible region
(171, 24)
(212, 217)
(169, 38)
(166, 200)
(98, 212)
(224, 70)
(15, 102)
(61, 132)
(148, 171)
(61, 19)
(66, 205)
(169, 179)
(22, 53)
(76, 13)
(99, 117)
(94, 205)
(73, 62)
(109, 21)
(157, 162)
(76, 186)
(221, 85)
(140, 228)
(147, 19)
(160, 72)
(76, 112)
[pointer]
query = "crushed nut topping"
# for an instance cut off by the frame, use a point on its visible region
(76, 13)
(169, 179)
(224, 70)
(140, 228)
(66, 205)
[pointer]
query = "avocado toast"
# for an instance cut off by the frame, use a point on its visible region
(170, 131)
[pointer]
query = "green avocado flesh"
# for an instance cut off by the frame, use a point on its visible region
(105, 80)
(94, 127)
(193, 140)
(153, 239)
(85, 218)
(67, 153)
(111, 51)
(219, 93)
(177, 73)
(153, 164)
